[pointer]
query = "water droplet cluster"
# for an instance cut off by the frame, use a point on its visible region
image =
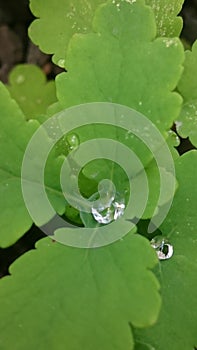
(110, 206)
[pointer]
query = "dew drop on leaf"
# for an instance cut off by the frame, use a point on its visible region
(110, 206)
(178, 125)
(73, 141)
(61, 63)
(162, 247)
(20, 79)
(109, 214)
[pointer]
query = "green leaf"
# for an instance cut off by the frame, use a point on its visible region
(87, 298)
(28, 86)
(166, 11)
(177, 324)
(15, 133)
(111, 64)
(58, 22)
(52, 181)
(143, 346)
(187, 120)
(142, 82)
(187, 85)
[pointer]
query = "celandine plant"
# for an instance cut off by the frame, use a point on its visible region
(91, 160)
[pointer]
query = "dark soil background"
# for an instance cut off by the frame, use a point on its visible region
(15, 48)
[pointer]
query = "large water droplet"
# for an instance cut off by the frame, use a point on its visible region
(162, 247)
(108, 209)
(104, 216)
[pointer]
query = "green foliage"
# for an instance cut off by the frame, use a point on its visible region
(58, 22)
(166, 11)
(177, 324)
(131, 79)
(61, 297)
(15, 134)
(28, 86)
(113, 65)
(187, 120)
(76, 292)
(187, 84)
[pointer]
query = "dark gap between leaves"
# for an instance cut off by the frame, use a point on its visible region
(23, 245)
(185, 146)
(185, 143)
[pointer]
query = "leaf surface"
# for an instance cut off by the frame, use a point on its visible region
(111, 65)
(166, 12)
(58, 22)
(177, 325)
(187, 120)
(142, 82)
(15, 133)
(29, 88)
(84, 299)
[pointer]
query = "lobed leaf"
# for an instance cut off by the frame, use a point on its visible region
(58, 22)
(122, 62)
(15, 133)
(166, 12)
(187, 120)
(84, 299)
(177, 325)
(187, 84)
(113, 67)
(29, 88)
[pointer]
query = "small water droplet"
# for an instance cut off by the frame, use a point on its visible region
(115, 31)
(178, 125)
(22, 98)
(169, 42)
(128, 135)
(119, 208)
(70, 15)
(118, 6)
(74, 25)
(61, 63)
(162, 247)
(73, 141)
(20, 79)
